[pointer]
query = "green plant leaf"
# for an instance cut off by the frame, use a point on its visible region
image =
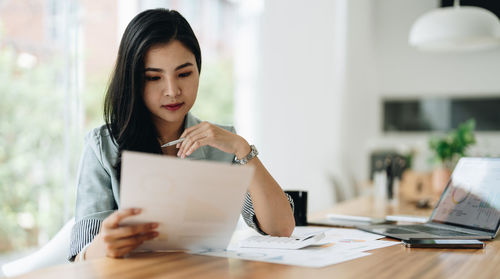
(451, 147)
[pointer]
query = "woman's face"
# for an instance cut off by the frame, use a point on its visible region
(171, 81)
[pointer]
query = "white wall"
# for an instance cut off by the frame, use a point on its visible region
(315, 113)
(296, 102)
(361, 102)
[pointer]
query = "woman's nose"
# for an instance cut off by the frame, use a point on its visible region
(171, 88)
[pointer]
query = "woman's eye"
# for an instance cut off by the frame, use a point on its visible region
(152, 78)
(185, 74)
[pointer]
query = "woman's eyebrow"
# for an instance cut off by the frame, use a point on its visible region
(187, 64)
(153, 69)
(184, 65)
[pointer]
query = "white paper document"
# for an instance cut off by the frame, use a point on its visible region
(196, 203)
(336, 234)
(339, 245)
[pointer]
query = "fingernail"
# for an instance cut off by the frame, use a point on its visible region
(155, 234)
(137, 210)
(154, 225)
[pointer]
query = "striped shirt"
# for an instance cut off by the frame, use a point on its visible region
(98, 188)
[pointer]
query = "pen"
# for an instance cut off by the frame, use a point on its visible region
(174, 142)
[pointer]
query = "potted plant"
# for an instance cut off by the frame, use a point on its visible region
(448, 150)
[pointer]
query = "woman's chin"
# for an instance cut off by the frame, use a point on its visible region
(171, 117)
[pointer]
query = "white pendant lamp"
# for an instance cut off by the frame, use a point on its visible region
(457, 28)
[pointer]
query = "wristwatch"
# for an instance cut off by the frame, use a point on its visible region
(253, 153)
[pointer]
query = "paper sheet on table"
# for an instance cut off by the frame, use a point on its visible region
(197, 203)
(340, 245)
(344, 239)
(335, 240)
(337, 234)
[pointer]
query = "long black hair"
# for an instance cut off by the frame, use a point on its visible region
(127, 119)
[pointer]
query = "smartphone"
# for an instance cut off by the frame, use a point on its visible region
(444, 243)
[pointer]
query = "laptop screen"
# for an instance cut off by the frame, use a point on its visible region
(472, 197)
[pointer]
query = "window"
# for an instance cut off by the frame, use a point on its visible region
(56, 57)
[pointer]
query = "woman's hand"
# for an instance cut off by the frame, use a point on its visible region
(206, 133)
(117, 240)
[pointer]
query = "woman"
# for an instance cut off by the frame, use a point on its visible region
(152, 89)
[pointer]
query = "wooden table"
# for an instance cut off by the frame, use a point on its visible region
(391, 262)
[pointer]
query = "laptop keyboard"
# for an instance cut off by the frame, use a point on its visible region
(435, 231)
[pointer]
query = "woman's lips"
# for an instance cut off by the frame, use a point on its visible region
(173, 107)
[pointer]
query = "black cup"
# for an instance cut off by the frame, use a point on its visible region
(300, 205)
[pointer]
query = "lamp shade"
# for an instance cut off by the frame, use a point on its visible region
(459, 28)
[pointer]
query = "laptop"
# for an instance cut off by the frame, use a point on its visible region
(469, 207)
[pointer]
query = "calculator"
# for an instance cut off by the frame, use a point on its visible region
(276, 242)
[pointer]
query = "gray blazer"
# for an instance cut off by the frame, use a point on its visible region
(98, 187)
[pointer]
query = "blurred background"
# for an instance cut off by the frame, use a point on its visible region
(326, 90)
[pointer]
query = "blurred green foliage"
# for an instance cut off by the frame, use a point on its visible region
(450, 148)
(93, 100)
(214, 102)
(31, 153)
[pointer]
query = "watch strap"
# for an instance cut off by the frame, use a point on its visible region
(253, 153)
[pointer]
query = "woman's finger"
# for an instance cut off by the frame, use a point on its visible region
(189, 130)
(131, 241)
(113, 220)
(206, 130)
(119, 253)
(187, 138)
(182, 146)
(111, 235)
(197, 144)
(190, 141)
